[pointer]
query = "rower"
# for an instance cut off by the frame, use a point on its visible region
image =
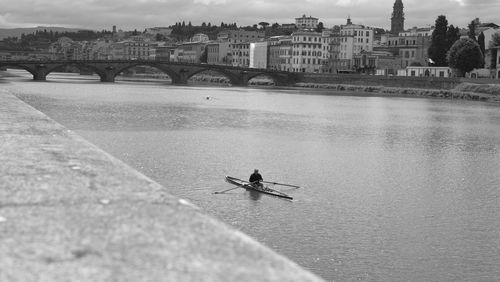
(256, 178)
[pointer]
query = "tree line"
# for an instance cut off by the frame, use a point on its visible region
(447, 48)
(41, 39)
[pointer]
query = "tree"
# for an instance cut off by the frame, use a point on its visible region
(204, 55)
(264, 24)
(472, 30)
(480, 41)
(159, 37)
(452, 35)
(438, 47)
(319, 27)
(465, 55)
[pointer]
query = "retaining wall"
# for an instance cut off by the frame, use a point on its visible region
(71, 212)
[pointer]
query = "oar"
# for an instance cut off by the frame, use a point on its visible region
(282, 184)
(226, 190)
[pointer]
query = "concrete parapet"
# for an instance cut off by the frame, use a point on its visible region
(71, 212)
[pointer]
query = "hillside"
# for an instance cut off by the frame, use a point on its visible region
(16, 32)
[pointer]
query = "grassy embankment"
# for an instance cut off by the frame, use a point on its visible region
(466, 91)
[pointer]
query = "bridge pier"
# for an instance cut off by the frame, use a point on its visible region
(242, 80)
(108, 74)
(182, 79)
(40, 73)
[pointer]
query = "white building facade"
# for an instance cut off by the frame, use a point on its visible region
(307, 51)
(354, 39)
(306, 22)
(258, 55)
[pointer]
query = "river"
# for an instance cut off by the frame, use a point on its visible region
(393, 189)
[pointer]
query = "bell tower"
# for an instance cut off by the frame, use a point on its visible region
(398, 18)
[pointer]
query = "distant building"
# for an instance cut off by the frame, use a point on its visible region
(288, 26)
(426, 71)
(219, 53)
(241, 36)
(279, 53)
(306, 22)
(354, 39)
(411, 49)
(306, 51)
(199, 37)
(258, 55)
(116, 51)
(6, 54)
(273, 55)
(138, 49)
(498, 62)
(164, 52)
(190, 52)
(398, 18)
(330, 50)
(386, 63)
(240, 54)
(92, 50)
(377, 62)
(286, 53)
(63, 49)
(165, 31)
(416, 31)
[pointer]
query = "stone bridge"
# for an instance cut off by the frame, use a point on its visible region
(178, 72)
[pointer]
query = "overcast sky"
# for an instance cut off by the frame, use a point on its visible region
(132, 14)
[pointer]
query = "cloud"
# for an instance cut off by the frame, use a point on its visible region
(460, 2)
(211, 2)
(350, 3)
(139, 14)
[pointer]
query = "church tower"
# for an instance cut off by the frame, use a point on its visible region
(398, 18)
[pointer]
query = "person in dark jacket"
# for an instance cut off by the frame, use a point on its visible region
(256, 178)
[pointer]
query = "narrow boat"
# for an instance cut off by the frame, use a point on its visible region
(262, 189)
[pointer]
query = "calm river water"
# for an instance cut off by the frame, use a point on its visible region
(394, 189)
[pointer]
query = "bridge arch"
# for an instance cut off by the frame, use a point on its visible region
(21, 66)
(79, 65)
(163, 68)
(276, 79)
(233, 79)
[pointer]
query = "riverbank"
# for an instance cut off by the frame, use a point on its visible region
(464, 91)
(71, 212)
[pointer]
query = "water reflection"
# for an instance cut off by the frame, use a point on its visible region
(254, 195)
